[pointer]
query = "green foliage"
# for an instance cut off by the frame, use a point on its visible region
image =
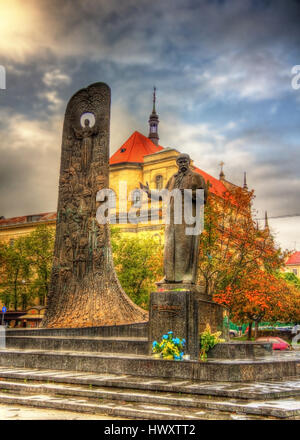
(39, 253)
(14, 273)
(138, 263)
(26, 267)
(291, 278)
(207, 341)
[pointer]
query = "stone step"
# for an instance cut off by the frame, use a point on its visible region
(289, 408)
(115, 409)
(126, 344)
(131, 411)
(240, 350)
(126, 330)
(246, 391)
(281, 365)
(80, 343)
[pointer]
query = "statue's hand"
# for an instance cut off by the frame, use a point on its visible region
(145, 187)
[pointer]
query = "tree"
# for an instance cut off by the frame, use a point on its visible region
(39, 246)
(15, 272)
(238, 262)
(231, 244)
(261, 296)
(26, 267)
(138, 263)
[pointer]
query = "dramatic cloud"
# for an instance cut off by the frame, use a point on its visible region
(56, 78)
(30, 159)
(222, 71)
(29, 164)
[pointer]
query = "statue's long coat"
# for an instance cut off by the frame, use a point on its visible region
(181, 250)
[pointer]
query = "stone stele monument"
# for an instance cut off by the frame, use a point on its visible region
(84, 289)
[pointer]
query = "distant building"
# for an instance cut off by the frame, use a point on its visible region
(12, 228)
(293, 264)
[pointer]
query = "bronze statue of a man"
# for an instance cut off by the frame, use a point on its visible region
(181, 250)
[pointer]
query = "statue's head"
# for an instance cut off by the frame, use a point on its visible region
(183, 162)
(86, 122)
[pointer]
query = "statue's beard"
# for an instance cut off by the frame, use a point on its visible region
(183, 169)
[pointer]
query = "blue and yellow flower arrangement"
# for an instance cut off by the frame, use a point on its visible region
(170, 347)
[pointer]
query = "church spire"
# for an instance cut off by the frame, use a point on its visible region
(245, 186)
(266, 221)
(222, 175)
(153, 122)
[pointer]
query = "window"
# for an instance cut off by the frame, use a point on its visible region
(159, 182)
(33, 218)
(136, 196)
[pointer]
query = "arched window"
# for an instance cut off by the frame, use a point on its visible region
(136, 196)
(159, 182)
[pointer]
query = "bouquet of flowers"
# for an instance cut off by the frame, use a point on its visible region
(169, 347)
(208, 340)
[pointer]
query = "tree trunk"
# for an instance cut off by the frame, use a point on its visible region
(256, 329)
(84, 289)
(15, 296)
(249, 331)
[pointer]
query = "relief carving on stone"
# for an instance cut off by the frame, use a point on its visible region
(84, 288)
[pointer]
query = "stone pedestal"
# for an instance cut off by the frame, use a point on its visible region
(184, 309)
(213, 314)
(176, 311)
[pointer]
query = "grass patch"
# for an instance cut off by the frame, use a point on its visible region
(243, 338)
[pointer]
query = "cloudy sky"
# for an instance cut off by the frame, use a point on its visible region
(223, 75)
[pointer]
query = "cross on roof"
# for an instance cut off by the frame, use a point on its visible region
(222, 175)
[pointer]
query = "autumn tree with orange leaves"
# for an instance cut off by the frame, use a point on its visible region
(238, 262)
(261, 296)
(231, 245)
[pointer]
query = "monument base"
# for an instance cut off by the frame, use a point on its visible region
(175, 311)
(185, 310)
(124, 350)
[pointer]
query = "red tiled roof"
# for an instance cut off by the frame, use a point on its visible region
(138, 146)
(216, 186)
(43, 217)
(294, 258)
(134, 149)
